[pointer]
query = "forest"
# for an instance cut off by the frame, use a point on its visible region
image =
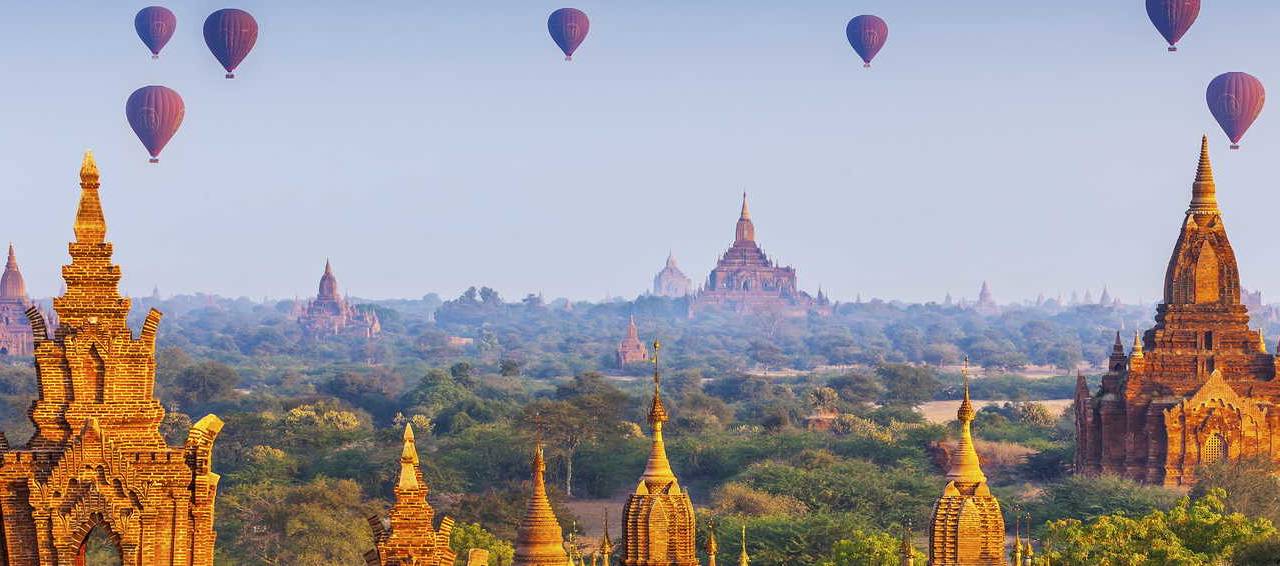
(313, 426)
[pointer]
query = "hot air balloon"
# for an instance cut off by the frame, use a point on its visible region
(1173, 18)
(568, 27)
(230, 35)
(154, 113)
(155, 25)
(1236, 100)
(867, 35)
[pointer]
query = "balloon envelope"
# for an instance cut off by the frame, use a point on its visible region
(155, 25)
(230, 35)
(154, 113)
(1236, 100)
(1173, 18)
(867, 35)
(568, 27)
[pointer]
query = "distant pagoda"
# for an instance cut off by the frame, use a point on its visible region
(671, 282)
(745, 280)
(330, 314)
(631, 350)
(15, 332)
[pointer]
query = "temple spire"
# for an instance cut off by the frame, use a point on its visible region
(606, 543)
(12, 285)
(657, 471)
(1204, 198)
(746, 230)
(90, 226)
(743, 559)
(965, 467)
(408, 461)
(713, 547)
(539, 539)
(1136, 351)
(907, 554)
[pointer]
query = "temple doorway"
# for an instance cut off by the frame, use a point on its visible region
(99, 549)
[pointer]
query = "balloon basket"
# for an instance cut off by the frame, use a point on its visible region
(231, 75)
(866, 65)
(568, 57)
(153, 160)
(1234, 146)
(1172, 49)
(155, 56)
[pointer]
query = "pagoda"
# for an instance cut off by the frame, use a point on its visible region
(331, 314)
(631, 350)
(745, 280)
(407, 536)
(671, 282)
(97, 459)
(967, 527)
(15, 333)
(658, 522)
(539, 539)
(1199, 386)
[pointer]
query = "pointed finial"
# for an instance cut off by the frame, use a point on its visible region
(328, 269)
(88, 169)
(408, 460)
(1262, 341)
(746, 214)
(965, 466)
(12, 263)
(658, 412)
(90, 225)
(743, 559)
(1137, 345)
(1204, 198)
(966, 412)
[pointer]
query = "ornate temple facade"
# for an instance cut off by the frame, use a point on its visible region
(15, 333)
(540, 540)
(631, 350)
(1197, 387)
(671, 282)
(658, 527)
(97, 459)
(407, 535)
(331, 314)
(967, 528)
(745, 280)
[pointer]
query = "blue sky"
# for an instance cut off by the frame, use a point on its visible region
(428, 146)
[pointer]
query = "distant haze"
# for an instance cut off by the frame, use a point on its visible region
(428, 146)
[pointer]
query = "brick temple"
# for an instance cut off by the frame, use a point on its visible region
(97, 459)
(15, 333)
(631, 350)
(407, 535)
(1199, 386)
(671, 282)
(746, 280)
(331, 314)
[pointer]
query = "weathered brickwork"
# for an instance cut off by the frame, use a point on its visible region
(97, 458)
(1197, 387)
(330, 314)
(745, 280)
(407, 535)
(671, 282)
(539, 539)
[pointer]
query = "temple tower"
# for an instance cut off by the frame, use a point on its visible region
(967, 527)
(671, 282)
(97, 459)
(1197, 387)
(15, 333)
(331, 314)
(407, 536)
(658, 521)
(631, 350)
(539, 540)
(743, 558)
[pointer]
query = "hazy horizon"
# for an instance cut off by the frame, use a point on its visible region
(428, 147)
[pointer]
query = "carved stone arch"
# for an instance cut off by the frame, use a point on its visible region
(659, 525)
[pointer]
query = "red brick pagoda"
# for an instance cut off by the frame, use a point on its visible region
(745, 280)
(15, 333)
(1198, 387)
(631, 350)
(330, 314)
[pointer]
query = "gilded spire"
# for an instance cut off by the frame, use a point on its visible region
(657, 471)
(539, 539)
(606, 543)
(907, 554)
(743, 559)
(713, 547)
(1136, 352)
(90, 226)
(408, 461)
(1262, 342)
(965, 467)
(1204, 198)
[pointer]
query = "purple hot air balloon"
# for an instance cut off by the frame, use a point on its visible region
(1173, 18)
(1236, 100)
(867, 35)
(568, 27)
(154, 113)
(155, 25)
(230, 35)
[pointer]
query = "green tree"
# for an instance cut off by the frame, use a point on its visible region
(203, 383)
(907, 386)
(869, 549)
(467, 536)
(271, 524)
